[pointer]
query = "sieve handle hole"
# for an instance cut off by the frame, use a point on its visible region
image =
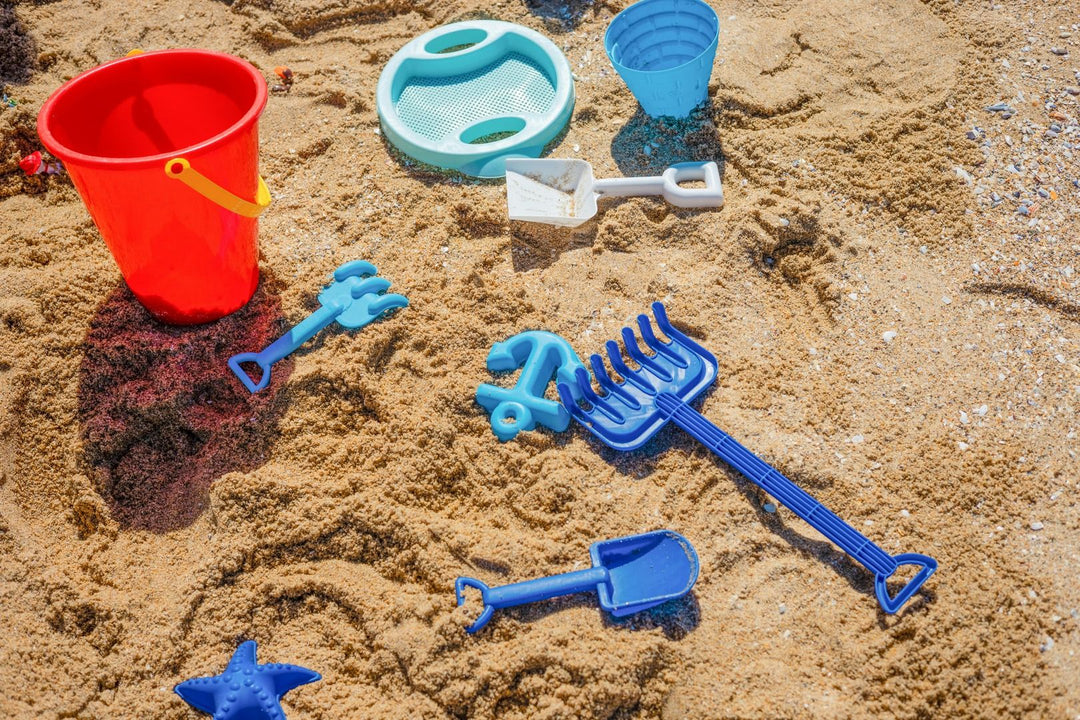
(456, 41)
(492, 130)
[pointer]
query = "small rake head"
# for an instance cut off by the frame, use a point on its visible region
(626, 415)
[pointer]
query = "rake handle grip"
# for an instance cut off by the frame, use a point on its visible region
(280, 348)
(850, 540)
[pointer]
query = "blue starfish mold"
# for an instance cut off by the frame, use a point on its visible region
(246, 690)
(543, 355)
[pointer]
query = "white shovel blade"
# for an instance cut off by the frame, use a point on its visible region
(556, 192)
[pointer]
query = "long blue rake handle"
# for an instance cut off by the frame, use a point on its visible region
(802, 504)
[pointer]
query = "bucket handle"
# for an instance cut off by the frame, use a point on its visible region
(180, 169)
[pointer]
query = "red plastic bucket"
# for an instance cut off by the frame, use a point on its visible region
(163, 148)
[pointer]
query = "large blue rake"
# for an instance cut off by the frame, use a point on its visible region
(632, 411)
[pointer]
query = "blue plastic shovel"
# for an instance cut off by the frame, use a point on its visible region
(630, 574)
(632, 411)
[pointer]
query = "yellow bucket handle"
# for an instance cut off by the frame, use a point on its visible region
(180, 169)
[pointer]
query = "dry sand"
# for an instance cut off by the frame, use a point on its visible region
(153, 515)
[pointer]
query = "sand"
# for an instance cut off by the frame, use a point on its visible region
(893, 339)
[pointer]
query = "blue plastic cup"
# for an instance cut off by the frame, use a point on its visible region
(664, 51)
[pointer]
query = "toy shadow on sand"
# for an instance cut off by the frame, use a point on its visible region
(641, 463)
(675, 618)
(669, 141)
(162, 416)
(563, 15)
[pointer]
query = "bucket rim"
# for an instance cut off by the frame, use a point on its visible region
(66, 154)
(609, 45)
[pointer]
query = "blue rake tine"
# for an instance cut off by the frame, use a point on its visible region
(610, 386)
(674, 335)
(660, 348)
(373, 285)
(596, 401)
(646, 362)
(615, 356)
(566, 394)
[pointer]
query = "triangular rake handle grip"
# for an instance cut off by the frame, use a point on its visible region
(241, 374)
(280, 348)
(850, 540)
(459, 588)
(892, 603)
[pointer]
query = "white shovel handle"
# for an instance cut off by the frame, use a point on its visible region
(712, 195)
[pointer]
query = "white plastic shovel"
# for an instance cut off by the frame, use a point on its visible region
(563, 192)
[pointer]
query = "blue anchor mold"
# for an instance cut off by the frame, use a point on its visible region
(543, 354)
(354, 299)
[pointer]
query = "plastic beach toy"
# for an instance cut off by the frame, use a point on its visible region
(353, 300)
(632, 411)
(468, 95)
(163, 148)
(664, 51)
(563, 192)
(246, 690)
(543, 354)
(629, 574)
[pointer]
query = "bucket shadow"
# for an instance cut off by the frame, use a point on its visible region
(670, 141)
(161, 414)
(18, 51)
(564, 15)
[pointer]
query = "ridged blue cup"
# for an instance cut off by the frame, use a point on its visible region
(664, 51)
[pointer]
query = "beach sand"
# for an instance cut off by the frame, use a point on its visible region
(896, 331)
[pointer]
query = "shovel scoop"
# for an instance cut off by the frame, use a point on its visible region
(564, 192)
(629, 574)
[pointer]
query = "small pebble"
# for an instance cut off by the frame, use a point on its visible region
(981, 410)
(1072, 90)
(783, 608)
(647, 149)
(962, 445)
(1047, 644)
(888, 335)
(1059, 51)
(946, 300)
(1036, 525)
(769, 507)
(905, 513)
(856, 439)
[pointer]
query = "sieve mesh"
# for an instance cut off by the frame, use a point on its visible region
(441, 107)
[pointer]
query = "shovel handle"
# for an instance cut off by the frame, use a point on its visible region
(801, 503)
(529, 591)
(667, 185)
